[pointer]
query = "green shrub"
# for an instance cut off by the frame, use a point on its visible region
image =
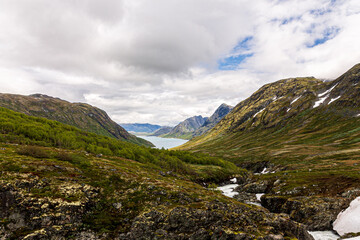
(33, 151)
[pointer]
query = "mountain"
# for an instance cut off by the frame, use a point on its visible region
(301, 139)
(296, 106)
(162, 131)
(59, 182)
(80, 115)
(195, 126)
(219, 113)
(186, 128)
(140, 127)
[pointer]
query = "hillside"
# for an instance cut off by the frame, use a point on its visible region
(71, 184)
(162, 131)
(282, 118)
(186, 128)
(140, 127)
(301, 138)
(80, 115)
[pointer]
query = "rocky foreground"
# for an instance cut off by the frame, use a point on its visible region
(319, 212)
(114, 198)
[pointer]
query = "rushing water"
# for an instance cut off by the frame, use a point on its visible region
(164, 142)
(228, 190)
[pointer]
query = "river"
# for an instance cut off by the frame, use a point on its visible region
(163, 142)
(228, 190)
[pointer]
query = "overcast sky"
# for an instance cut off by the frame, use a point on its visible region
(161, 61)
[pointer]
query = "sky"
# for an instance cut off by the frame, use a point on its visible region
(162, 61)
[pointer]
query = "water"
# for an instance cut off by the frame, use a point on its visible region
(164, 142)
(228, 190)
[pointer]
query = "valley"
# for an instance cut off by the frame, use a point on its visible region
(288, 158)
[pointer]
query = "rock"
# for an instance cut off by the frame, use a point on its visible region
(254, 187)
(217, 221)
(318, 213)
(38, 217)
(117, 205)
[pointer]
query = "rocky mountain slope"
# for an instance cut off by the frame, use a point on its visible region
(162, 131)
(197, 125)
(304, 134)
(140, 127)
(58, 182)
(219, 113)
(186, 128)
(296, 109)
(80, 115)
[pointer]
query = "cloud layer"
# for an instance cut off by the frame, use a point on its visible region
(162, 61)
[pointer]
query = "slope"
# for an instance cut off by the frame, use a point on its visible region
(186, 128)
(306, 127)
(80, 115)
(68, 193)
(162, 131)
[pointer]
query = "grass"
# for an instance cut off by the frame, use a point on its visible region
(313, 145)
(137, 186)
(34, 133)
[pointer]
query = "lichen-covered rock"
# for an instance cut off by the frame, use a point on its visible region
(36, 209)
(217, 221)
(318, 213)
(26, 207)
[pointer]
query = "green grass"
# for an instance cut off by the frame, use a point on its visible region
(25, 130)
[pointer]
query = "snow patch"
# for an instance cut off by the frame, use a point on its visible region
(258, 196)
(258, 112)
(228, 190)
(348, 221)
(320, 101)
(253, 203)
(295, 100)
(328, 91)
(353, 238)
(324, 235)
(264, 171)
(334, 99)
(233, 180)
(288, 110)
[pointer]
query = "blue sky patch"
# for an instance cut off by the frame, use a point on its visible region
(328, 34)
(232, 63)
(237, 55)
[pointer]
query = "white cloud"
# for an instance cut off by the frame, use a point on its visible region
(156, 61)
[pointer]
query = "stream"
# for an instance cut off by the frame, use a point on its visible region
(228, 190)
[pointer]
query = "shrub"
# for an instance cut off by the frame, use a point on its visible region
(33, 151)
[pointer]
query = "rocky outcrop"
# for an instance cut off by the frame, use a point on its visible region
(37, 208)
(186, 128)
(217, 221)
(219, 114)
(161, 131)
(28, 205)
(318, 213)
